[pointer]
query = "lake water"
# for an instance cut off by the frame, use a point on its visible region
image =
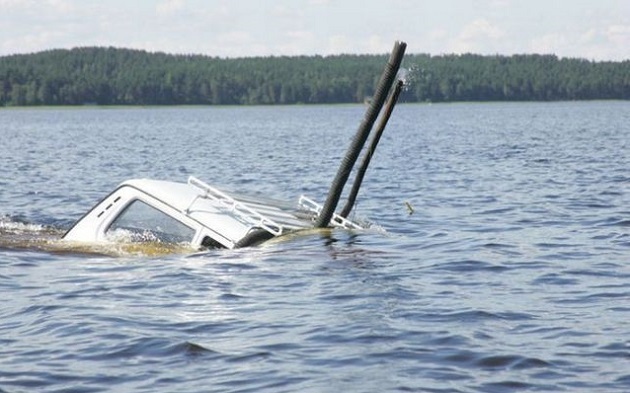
(512, 274)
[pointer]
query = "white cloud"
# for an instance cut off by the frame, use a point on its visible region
(282, 11)
(549, 43)
(603, 43)
(438, 34)
(33, 42)
(596, 30)
(5, 4)
(610, 42)
(477, 36)
(480, 29)
(619, 34)
(291, 43)
(36, 6)
(235, 37)
(500, 3)
(588, 36)
(168, 7)
(376, 44)
(338, 44)
(300, 35)
(61, 5)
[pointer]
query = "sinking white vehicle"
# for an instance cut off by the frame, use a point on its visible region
(203, 216)
(144, 210)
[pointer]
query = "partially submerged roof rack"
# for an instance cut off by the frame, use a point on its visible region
(336, 220)
(250, 215)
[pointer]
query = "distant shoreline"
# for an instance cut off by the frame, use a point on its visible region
(111, 76)
(271, 106)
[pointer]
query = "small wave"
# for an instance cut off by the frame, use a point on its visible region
(499, 245)
(14, 225)
(468, 316)
(497, 211)
(470, 265)
(248, 357)
(554, 279)
(506, 386)
(475, 360)
(151, 347)
(511, 362)
(618, 223)
(16, 234)
(231, 297)
(557, 245)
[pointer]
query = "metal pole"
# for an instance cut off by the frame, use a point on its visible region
(383, 88)
(389, 108)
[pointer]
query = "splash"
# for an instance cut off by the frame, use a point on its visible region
(15, 234)
(16, 226)
(409, 77)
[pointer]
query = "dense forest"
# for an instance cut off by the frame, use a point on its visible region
(111, 76)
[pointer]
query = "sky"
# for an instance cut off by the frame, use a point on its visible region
(590, 29)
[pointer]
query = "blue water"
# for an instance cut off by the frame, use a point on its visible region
(512, 274)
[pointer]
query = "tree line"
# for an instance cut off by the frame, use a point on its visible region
(113, 76)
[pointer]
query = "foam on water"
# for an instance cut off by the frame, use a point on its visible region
(18, 235)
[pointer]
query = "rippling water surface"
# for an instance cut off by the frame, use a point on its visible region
(512, 274)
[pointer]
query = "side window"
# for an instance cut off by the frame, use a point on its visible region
(140, 222)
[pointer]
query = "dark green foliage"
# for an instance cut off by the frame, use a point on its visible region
(516, 78)
(110, 76)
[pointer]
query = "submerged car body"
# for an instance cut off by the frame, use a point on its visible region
(203, 216)
(143, 210)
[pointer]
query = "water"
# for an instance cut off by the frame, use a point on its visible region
(511, 274)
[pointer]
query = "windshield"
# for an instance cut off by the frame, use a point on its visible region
(140, 222)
